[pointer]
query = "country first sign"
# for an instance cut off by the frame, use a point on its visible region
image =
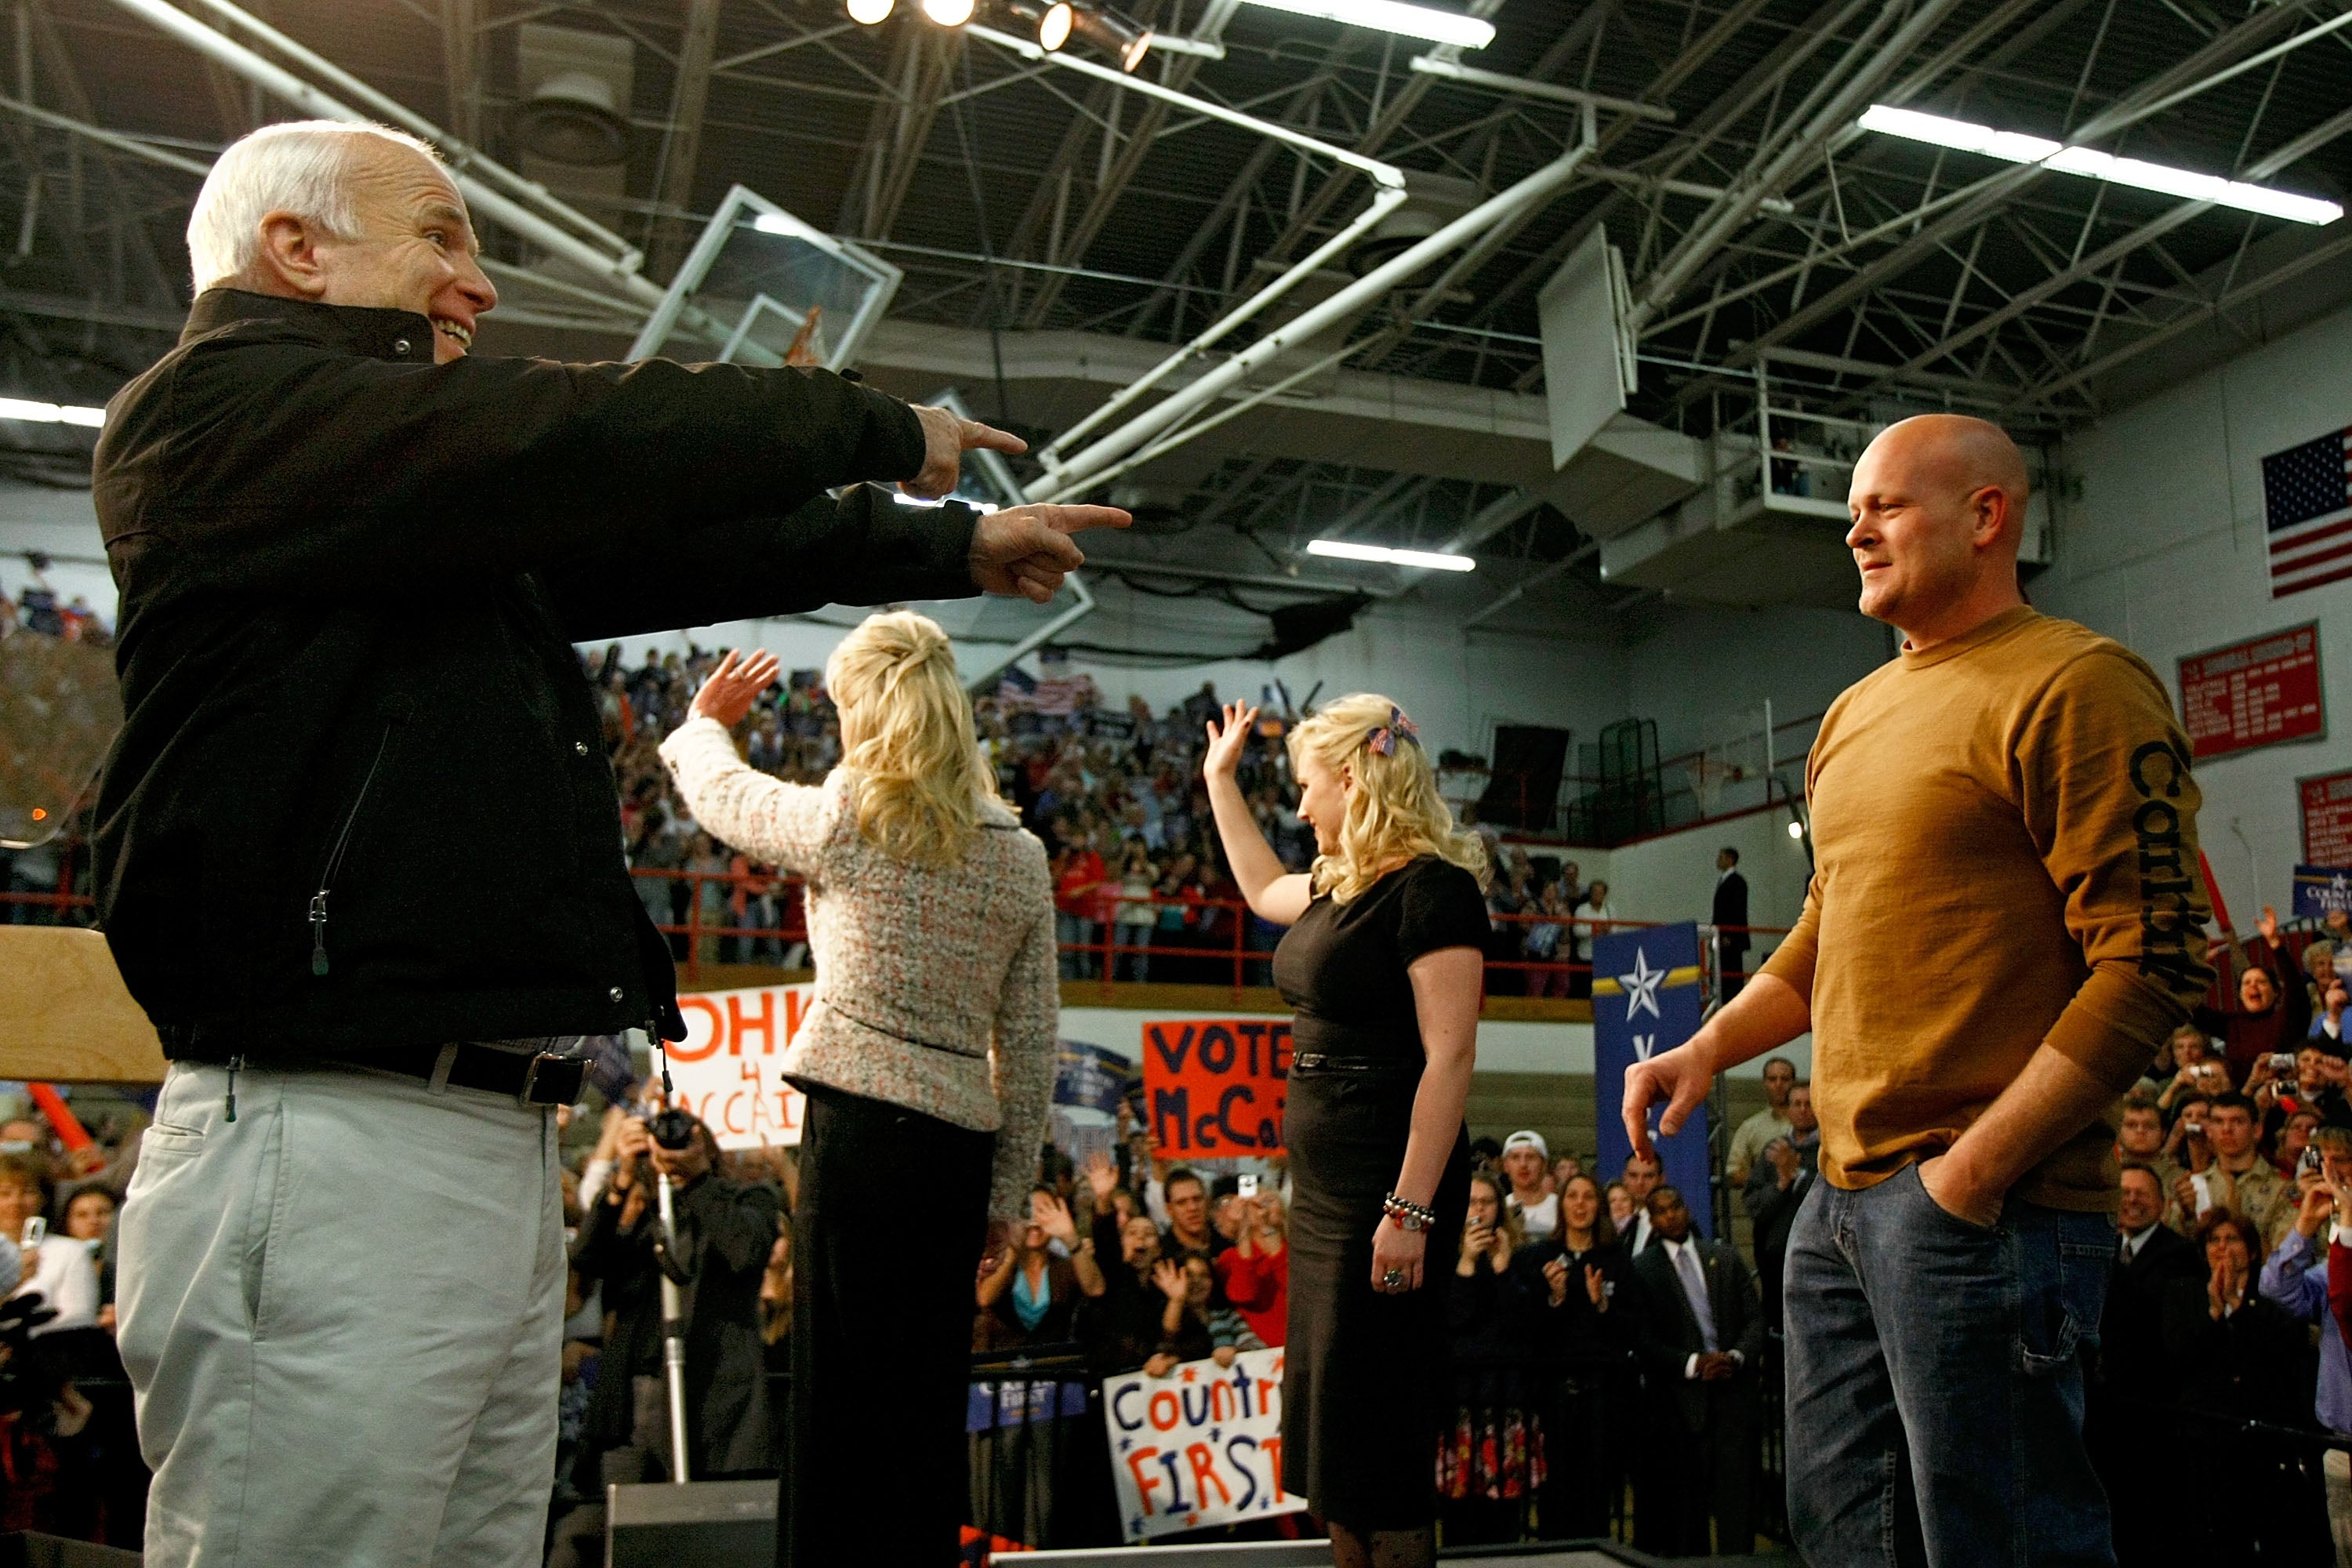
(1215, 1086)
(1201, 1447)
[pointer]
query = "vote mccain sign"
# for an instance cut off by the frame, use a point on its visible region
(1215, 1086)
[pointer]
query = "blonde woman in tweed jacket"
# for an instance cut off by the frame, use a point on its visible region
(928, 1058)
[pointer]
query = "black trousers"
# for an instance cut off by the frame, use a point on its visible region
(1688, 1476)
(882, 1311)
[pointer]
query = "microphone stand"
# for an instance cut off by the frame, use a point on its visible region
(673, 1311)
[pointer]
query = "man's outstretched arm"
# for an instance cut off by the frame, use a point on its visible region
(860, 549)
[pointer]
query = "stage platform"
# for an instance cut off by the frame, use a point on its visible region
(1318, 1554)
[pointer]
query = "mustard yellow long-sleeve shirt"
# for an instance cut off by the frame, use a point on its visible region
(2005, 855)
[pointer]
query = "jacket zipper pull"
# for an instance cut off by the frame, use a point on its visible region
(228, 1107)
(319, 931)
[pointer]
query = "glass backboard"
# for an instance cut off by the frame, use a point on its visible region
(762, 288)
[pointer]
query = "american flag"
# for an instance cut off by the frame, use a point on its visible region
(2307, 506)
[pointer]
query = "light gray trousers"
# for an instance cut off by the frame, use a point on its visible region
(341, 1314)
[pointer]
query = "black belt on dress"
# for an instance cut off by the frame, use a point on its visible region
(1324, 1061)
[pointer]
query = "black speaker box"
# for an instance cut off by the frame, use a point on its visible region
(703, 1524)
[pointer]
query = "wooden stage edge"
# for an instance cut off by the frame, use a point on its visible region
(66, 1016)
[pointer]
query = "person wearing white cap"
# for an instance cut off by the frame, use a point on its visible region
(1527, 1161)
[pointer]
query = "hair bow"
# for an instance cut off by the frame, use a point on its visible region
(1383, 740)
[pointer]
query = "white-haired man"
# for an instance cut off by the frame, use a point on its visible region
(2012, 793)
(358, 844)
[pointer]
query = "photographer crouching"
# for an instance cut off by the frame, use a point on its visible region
(358, 851)
(726, 1228)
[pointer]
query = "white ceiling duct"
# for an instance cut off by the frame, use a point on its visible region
(576, 92)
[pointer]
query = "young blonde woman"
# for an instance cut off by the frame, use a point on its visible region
(929, 1047)
(1381, 964)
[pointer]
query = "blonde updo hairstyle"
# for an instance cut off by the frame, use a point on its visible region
(1394, 813)
(908, 739)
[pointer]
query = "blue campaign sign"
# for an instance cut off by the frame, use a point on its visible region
(1646, 999)
(1091, 1076)
(2321, 891)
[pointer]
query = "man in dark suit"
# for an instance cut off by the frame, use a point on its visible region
(2127, 1440)
(1702, 1338)
(1775, 1189)
(1730, 924)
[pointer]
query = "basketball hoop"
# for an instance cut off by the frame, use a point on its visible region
(1707, 776)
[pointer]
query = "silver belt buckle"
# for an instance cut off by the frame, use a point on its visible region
(551, 1080)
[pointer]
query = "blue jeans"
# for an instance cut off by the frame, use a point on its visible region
(1935, 1393)
(1067, 927)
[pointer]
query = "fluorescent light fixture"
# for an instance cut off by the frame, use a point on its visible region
(51, 413)
(1391, 17)
(1427, 560)
(2012, 147)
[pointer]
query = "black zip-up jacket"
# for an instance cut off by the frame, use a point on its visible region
(360, 799)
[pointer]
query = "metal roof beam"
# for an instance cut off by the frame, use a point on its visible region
(682, 148)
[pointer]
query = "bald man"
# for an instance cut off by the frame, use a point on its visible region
(2008, 799)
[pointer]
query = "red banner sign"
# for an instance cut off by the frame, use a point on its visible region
(2327, 819)
(1216, 1087)
(2253, 693)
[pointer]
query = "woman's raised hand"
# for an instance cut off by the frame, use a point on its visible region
(727, 695)
(1101, 1175)
(1226, 741)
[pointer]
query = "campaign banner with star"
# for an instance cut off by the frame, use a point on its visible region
(1647, 998)
(2321, 891)
(1201, 1447)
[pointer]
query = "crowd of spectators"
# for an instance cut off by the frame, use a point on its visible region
(38, 609)
(1612, 1367)
(1140, 887)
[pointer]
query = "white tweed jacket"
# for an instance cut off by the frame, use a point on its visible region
(937, 990)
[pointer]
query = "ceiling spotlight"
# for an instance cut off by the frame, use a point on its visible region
(1427, 560)
(1122, 40)
(2013, 147)
(949, 13)
(1052, 21)
(1796, 828)
(871, 12)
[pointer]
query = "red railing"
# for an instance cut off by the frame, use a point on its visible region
(1228, 921)
(1099, 954)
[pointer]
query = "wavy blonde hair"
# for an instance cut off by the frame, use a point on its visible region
(908, 739)
(1394, 813)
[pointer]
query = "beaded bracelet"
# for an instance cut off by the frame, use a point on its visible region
(1409, 1214)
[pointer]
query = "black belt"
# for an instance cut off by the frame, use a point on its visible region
(1322, 1061)
(539, 1077)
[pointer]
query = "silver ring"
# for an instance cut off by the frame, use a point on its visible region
(1393, 1280)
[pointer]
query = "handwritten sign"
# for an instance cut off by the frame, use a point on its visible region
(1215, 1086)
(2253, 693)
(1201, 1447)
(729, 1070)
(2326, 818)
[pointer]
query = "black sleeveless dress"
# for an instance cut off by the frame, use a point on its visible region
(1365, 1383)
